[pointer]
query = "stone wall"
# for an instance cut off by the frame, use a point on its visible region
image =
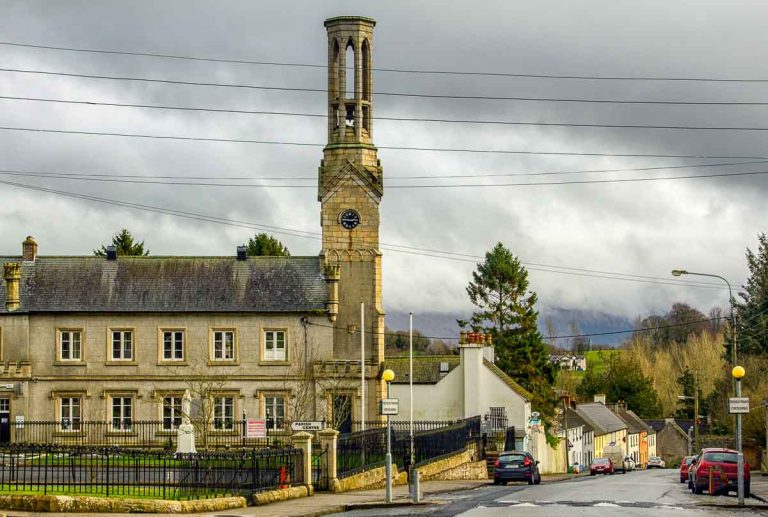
(458, 466)
(373, 478)
(88, 505)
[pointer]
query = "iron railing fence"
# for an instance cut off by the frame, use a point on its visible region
(360, 450)
(112, 471)
(142, 433)
(367, 449)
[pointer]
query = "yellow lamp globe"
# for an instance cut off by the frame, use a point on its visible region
(388, 375)
(738, 372)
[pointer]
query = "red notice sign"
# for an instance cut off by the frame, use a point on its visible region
(255, 428)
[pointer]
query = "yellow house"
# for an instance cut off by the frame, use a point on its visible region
(608, 428)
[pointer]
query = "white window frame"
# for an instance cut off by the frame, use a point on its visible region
(219, 349)
(172, 354)
(223, 413)
(122, 356)
(123, 421)
(272, 352)
(174, 416)
(271, 406)
(70, 413)
(74, 346)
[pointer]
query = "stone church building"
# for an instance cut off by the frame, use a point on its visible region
(119, 339)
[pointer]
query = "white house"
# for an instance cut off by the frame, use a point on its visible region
(452, 387)
(580, 439)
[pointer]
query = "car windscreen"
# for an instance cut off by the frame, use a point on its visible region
(511, 458)
(720, 457)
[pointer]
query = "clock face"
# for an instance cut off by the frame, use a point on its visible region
(349, 219)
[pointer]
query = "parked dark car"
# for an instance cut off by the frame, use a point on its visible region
(516, 466)
(684, 465)
(723, 460)
(601, 466)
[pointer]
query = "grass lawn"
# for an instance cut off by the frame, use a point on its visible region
(597, 359)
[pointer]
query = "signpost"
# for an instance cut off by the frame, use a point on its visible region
(738, 405)
(256, 428)
(307, 426)
(389, 406)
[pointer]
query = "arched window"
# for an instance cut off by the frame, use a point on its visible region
(335, 70)
(349, 84)
(366, 50)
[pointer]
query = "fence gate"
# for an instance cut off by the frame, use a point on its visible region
(320, 468)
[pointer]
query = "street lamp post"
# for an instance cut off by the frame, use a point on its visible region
(388, 376)
(738, 372)
(680, 272)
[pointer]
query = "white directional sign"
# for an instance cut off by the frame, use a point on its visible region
(307, 426)
(738, 405)
(389, 406)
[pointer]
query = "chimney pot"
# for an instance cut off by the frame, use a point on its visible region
(29, 249)
(242, 253)
(111, 252)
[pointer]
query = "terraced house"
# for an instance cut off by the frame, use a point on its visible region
(120, 339)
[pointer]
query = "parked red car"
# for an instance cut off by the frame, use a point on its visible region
(724, 459)
(601, 466)
(684, 465)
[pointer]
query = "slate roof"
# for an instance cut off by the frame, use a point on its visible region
(600, 418)
(426, 368)
(658, 424)
(575, 420)
(170, 284)
(635, 423)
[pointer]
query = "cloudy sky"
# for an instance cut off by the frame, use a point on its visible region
(598, 230)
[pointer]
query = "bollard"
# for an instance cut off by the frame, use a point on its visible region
(416, 487)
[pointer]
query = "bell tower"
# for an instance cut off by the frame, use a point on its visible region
(350, 187)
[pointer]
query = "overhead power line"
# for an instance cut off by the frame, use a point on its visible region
(380, 69)
(85, 175)
(388, 247)
(391, 148)
(392, 94)
(423, 186)
(390, 118)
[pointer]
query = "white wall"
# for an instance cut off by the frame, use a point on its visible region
(441, 401)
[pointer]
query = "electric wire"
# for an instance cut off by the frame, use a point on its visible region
(389, 93)
(389, 176)
(399, 187)
(393, 70)
(390, 118)
(389, 247)
(382, 147)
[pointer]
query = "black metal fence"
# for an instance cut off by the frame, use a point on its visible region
(144, 433)
(111, 471)
(367, 449)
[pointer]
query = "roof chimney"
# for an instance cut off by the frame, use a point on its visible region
(242, 252)
(111, 252)
(12, 275)
(29, 249)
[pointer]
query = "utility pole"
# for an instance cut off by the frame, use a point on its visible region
(696, 410)
(565, 425)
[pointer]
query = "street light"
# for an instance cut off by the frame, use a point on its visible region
(388, 376)
(738, 372)
(680, 272)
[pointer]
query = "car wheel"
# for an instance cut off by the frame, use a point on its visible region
(697, 490)
(746, 490)
(591, 473)
(530, 480)
(690, 484)
(496, 482)
(537, 481)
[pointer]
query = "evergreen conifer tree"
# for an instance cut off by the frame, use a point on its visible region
(752, 312)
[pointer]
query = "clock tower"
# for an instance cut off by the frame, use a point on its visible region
(350, 187)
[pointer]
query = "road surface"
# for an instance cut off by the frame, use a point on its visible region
(639, 493)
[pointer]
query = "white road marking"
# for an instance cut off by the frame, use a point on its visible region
(607, 504)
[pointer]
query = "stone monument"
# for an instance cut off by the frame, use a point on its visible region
(185, 442)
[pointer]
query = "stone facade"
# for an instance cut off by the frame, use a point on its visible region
(64, 320)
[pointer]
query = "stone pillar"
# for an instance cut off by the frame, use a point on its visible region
(303, 441)
(328, 442)
(29, 249)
